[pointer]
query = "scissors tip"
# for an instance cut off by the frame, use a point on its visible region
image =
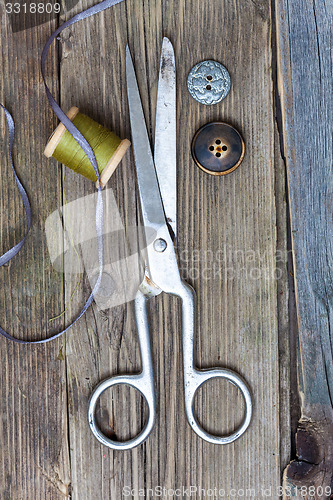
(129, 62)
(128, 52)
(167, 52)
(166, 43)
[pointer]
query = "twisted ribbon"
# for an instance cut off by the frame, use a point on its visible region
(6, 257)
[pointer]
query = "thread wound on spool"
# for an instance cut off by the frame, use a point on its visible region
(107, 147)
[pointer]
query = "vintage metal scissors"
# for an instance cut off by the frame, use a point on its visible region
(157, 189)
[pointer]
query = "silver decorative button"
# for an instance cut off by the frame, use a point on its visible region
(208, 82)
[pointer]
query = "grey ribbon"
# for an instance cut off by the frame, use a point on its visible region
(6, 257)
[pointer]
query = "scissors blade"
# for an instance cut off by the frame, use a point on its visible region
(165, 133)
(150, 197)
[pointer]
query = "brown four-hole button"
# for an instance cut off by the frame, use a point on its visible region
(218, 148)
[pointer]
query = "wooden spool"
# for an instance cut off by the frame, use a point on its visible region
(112, 163)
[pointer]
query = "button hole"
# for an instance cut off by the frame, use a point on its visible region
(209, 87)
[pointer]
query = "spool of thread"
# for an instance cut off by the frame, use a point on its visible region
(108, 148)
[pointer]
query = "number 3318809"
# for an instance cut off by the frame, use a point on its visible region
(33, 8)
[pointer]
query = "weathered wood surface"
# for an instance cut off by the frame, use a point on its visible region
(229, 231)
(33, 427)
(305, 89)
(237, 321)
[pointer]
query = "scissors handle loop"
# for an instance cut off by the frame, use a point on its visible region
(200, 377)
(194, 378)
(142, 382)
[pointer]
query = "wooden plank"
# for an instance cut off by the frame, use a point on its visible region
(286, 321)
(305, 89)
(33, 430)
(227, 243)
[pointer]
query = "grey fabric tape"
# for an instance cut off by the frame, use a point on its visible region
(10, 254)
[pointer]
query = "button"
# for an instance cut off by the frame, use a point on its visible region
(208, 82)
(217, 148)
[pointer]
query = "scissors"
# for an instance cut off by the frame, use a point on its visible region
(157, 190)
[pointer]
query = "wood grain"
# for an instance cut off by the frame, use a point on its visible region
(305, 89)
(227, 243)
(33, 429)
(229, 232)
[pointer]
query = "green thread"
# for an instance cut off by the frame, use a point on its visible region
(104, 144)
(102, 141)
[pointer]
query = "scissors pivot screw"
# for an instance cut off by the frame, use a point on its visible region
(160, 245)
